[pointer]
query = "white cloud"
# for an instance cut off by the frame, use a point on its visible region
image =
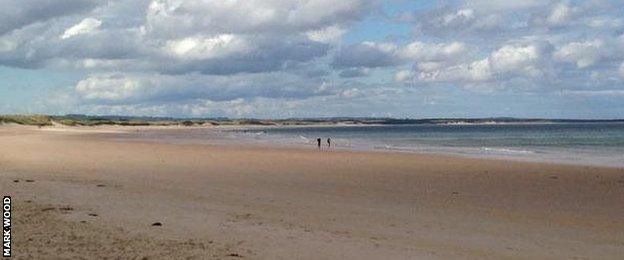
(588, 53)
(421, 51)
(508, 62)
(199, 47)
(403, 76)
(605, 22)
(505, 5)
(85, 26)
(327, 35)
(109, 88)
(596, 93)
(351, 93)
(460, 17)
(136, 88)
(174, 17)
(517, 59)
(560, 14)
(7, 44)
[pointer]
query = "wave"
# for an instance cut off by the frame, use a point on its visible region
(490, 150)
(506, 150)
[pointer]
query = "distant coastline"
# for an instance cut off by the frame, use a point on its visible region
(88, 120)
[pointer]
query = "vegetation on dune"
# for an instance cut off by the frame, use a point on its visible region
(37, 120)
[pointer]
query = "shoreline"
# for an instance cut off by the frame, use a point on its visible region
(221, 140)
(246, 137)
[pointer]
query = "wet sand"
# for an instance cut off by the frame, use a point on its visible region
(89, 195)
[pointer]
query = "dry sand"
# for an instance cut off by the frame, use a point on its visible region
(82, 195)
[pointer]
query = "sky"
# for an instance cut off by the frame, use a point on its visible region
(313, 58)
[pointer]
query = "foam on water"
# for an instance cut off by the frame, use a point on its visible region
(599, 144)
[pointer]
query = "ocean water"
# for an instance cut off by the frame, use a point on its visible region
(599, 144)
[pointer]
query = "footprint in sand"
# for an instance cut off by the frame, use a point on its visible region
(30, 180)
(156, 224)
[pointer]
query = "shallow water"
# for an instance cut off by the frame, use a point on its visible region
(584, 143)
(599, 144)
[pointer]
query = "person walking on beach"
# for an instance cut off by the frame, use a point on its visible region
(318, 140)
(328, 142)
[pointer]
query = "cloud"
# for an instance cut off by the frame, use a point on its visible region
(505, 5)
(596, 93)
(328, 34)
(588, 53)
(524, 61)
(403, 75)
(181, 37)
(559, 14)
(158, 89)
(367, 54)
(201, 56)
(18, 14)
(420, 51)
(466, 21)
(85, 26)
(111, 88)
(376, 55)
(172, 18)
(605, 22)
(458, 18)
(501, 20)
(197, 48)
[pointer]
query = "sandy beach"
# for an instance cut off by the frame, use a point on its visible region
(88, 195)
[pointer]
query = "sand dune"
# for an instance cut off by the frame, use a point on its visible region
(89, 195)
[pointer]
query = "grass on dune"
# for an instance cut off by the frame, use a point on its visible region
(44, 120)
(38, 120)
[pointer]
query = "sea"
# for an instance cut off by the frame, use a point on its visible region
(592, 144)
(597, 144)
